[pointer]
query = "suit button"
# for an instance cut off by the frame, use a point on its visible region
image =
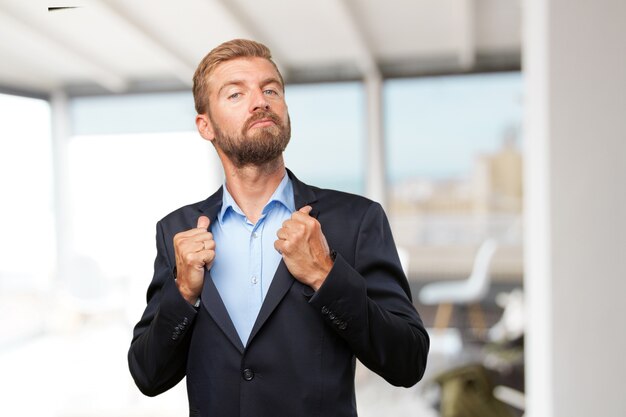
(248, 375)
(325, 310)
(343, 325)
(332, 316)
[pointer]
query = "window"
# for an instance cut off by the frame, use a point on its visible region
(454, 167)
(27, 222)
(328, 138)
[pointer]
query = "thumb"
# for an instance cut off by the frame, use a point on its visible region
(306, 209)
(203, 222)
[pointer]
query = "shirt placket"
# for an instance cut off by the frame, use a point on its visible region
(256, 262)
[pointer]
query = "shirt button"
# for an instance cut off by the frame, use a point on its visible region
(254, 279)
(248, 375)
(255, 235)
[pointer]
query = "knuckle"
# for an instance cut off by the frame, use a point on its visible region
(180, 238)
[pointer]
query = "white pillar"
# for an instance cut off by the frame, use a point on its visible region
(575, 176)
(60, 121)
(375, 172)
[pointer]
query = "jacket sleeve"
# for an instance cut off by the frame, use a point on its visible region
(157, 357)
(369, 305)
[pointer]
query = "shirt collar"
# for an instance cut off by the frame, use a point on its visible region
(282, 195)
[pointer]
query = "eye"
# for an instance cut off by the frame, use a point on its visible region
(270, 92)
(234, 96)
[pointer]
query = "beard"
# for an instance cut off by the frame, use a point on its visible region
(258, 147)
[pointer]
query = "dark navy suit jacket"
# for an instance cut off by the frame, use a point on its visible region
(300, 357)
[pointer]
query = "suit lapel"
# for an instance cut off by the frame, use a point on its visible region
(283, 280)
(211, 300)
(213, 303)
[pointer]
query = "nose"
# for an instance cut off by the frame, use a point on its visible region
(259, 102)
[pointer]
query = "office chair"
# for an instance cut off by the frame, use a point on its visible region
(470, 291)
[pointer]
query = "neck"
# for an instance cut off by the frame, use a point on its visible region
(252, 186)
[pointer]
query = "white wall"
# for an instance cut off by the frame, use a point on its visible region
(575, 69)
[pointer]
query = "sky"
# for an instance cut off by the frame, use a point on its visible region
(435, 125)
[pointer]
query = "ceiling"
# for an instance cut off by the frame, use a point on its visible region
(117, 46)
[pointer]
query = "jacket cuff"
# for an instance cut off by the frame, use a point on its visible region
(341, 296)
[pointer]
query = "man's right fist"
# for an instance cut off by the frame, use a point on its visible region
(194, 250)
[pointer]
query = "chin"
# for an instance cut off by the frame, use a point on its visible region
(273, 129)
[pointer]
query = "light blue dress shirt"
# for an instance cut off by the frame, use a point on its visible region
(245, 257)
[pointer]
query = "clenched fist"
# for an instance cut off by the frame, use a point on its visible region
(304, 248)
(194, 250)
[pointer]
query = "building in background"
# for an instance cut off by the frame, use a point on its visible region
(441, 221)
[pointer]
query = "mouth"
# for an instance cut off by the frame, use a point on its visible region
(261, 120)
(262, 123)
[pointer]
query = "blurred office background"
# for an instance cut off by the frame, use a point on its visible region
(491, 130)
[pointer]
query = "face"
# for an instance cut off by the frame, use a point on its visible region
(248, 119)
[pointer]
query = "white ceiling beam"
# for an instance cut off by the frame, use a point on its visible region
(467, 34)
(249, 26)
(182, 68)
(95, 70)
(365, 57)
(366, 62)
(24, 72)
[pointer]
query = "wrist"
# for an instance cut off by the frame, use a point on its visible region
(190, 296)
(326, 268)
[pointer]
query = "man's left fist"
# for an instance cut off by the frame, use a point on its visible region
(304, 248)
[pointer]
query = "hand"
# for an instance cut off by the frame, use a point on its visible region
(304, 248)
(194, 250)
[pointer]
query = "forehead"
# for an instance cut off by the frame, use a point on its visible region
(242, 70)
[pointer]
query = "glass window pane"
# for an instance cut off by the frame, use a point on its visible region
(327, 146)
(27, 221)
(455, 170)
(133, 113)
(120, 186)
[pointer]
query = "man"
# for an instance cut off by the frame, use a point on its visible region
(264, 293)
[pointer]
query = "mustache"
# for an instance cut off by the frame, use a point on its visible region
(260, 115)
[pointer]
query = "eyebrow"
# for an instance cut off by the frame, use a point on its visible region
(228, 84)
(265, 82)
(272, 80)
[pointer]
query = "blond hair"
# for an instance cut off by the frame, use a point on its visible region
(236, 48)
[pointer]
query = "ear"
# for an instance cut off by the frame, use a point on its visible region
(205, 127)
